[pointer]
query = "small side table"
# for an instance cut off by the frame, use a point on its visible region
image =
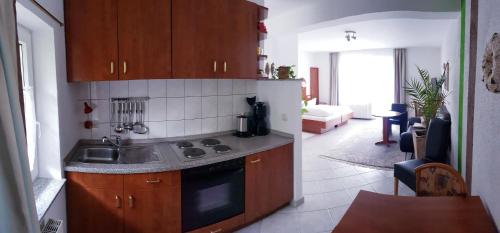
(419, 136)
(386, 126)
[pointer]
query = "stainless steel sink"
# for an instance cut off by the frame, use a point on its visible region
(122, 155)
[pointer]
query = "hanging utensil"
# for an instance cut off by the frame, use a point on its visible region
(143, 129)
(119, 128)
(137, 125)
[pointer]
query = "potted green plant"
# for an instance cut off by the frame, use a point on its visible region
(427, 95)
(286, 72)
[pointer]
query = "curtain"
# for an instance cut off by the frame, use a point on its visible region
(399, 76)
(17, 203)
(334, 79)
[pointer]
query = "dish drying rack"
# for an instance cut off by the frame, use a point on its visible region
(127, 115)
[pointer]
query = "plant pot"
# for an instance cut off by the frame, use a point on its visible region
(284, 72)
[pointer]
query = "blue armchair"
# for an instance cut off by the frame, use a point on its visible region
(400, 120)
(436, 150)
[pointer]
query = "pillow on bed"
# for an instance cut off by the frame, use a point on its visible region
(311, 102)
(321, 110)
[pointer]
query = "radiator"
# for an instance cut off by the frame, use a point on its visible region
(53, 226)
(362, 111)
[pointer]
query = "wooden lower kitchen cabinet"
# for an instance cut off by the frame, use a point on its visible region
(124, 203)
(94, 203)
(153, 202)
(268, 181)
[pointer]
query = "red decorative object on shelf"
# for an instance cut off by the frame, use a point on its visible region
(262, 27)
(87, 109)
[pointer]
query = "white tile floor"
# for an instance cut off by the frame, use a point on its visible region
(329, 188)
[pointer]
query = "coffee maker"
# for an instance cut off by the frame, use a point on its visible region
(260, 121)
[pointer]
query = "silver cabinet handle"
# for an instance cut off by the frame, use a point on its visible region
(118, 202)
(215, 66)
(225, 67)
(255, 161)
(124, 67)
(130, 201)
(112, 68)
(156, 181)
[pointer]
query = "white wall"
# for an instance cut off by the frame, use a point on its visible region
(283, 28)
(284, 115)
(486, 161)
(450, 52)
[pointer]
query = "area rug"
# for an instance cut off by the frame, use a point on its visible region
(357, 145)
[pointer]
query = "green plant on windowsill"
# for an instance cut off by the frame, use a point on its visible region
(427, 96)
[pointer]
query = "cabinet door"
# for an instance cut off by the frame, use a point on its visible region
(145, 39)
(195, 38)
(256, 187)
(153, 203)
(269, 181)
(279, 171)
(94, 203)
(91, 41)
(239, 41)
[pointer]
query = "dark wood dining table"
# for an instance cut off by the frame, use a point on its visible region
(386, 126)
(374, 213)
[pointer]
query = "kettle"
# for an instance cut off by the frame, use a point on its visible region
(242, 126)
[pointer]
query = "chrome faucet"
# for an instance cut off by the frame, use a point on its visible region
(117, 143)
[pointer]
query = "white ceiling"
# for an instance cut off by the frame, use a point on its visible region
(376, 34)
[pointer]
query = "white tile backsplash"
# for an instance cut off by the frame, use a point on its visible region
(193, 87)
(209, 125)
(83, 91)
(157, 88)
(239, 87)
(225, 87)
(157, 129)
(193, 108)
(225, 105)
(157, 109)
(175, 108)
(118, 89)
(99, 90)
(209, 106)
(175, 88)
(138, 88)
(192, 127)
(175, 128)
(209, 87)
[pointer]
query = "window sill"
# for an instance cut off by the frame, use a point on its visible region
(46, 191)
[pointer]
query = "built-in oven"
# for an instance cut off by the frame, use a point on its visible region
(212, 193)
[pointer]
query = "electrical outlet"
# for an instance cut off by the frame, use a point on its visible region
(284, 117)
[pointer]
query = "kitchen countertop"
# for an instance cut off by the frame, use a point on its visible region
(171, 162)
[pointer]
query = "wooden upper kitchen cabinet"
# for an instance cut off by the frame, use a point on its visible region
(239, 39)
(268, 181)
(195, 38)
(153, 203)
(118, 39)
(91, 41)
(94, 203)
(144, 203)
(214, 38)
(144, 39)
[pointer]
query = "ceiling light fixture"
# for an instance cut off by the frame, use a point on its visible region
(350, 35)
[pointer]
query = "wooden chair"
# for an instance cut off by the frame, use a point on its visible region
(437, 179)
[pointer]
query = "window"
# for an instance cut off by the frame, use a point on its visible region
(32, 125)
(367, 77)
